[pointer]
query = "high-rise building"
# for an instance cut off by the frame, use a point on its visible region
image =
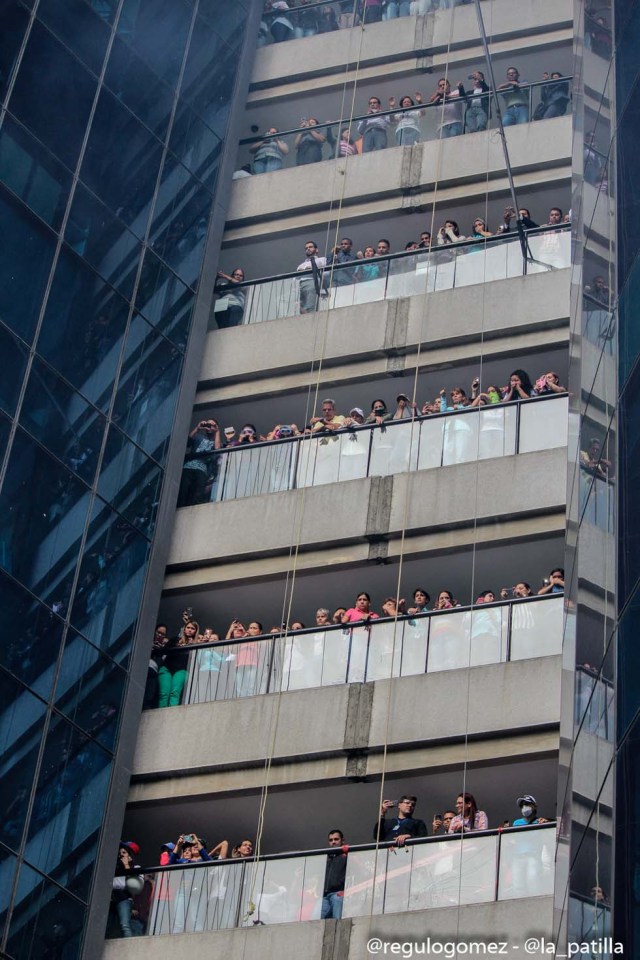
(477, 370)
(114, 119)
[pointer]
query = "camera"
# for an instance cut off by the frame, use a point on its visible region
(471, 76)
(546, 581)
(189, 838)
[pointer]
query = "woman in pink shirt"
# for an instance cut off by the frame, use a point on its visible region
(362, 612)
(468, 817)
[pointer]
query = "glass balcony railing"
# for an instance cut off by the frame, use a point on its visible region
(398, 446)
(594, 703)
(401, 126)
(434, 872)
(597, 500)
(371, 280)
(409, 646)
(590, 920)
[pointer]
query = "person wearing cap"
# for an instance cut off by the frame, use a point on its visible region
(406, 409)
(531, 859)
(528, 810)
(355, 418)
(230, 437)
(125, 885)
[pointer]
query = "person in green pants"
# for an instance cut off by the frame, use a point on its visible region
(172, 674)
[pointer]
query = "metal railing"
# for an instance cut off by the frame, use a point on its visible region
(477, 867)
(416, 272)
(411, 645)
(401, 126)
(594, 703)
(397, 446)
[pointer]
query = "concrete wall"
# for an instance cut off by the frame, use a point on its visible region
(374, 507)
(390, 173)
(510, 922)
(374, 332)
(427, 709)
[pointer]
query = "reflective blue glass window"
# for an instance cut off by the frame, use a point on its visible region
(629, 329)
(46, 922)
(14, 24)
(121, 162)
(147, 391)
(180, 221)
(139, 88)
(79, 27)
(32, 173)
(130, 481)
(52, 95)
(82, 328)
(8, 867)
(21, 728)
(14, 355)
(228, 19)
(62, 421)
(43, 521)
(97, 235)
(89, 689)
(111, 579)
(196, 145)
(69, 801)
(164, 300)
(24, 267)
(32, 637)
(4, 436)
(157, 31)
(211, 95)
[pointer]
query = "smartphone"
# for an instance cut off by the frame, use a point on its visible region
(437, 816)
(189, 838)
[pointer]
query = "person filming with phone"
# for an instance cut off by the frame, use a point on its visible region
(404, 826)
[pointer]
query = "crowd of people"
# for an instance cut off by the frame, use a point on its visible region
(169, 660)
(399, 122)
(397, 824)
(208, 438)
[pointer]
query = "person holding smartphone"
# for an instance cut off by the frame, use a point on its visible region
(204, 439)
(404, 826)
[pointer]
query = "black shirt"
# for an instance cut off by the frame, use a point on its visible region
(335, 873)
(385, 830)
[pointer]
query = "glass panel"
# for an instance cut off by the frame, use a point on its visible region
(180, 220)
(544, 425)
(431, 443)
(33, 173)
(94, 233)
(497, 437)
(414, 646)
(227, 671)
(385, 650)
(303, 660)
(157, 31)
(81, 334)
(362, 867)
(536, 628)
(197, 899)
(14, 24)
(322, 461)
(460, 438)
(288, 890)
(121, 163)
(42, 522)
(62, 421)
(454, 872)
(53, 95)
(594, 704)
(394, 449)
(45, 920)
(21, 727)
(8, 870)
(526, 863)
(148, 387)
(196, 146)
(32, 636)
(79, 28)
(111, 579)
(588, 921)
(89, 689)
(130, 481)
(139, 88)
(14, 354)
(69, 803)
(553, 248)
(25, 269)
(243, 473)
(489, 634)
(449, 641)
(164, 300)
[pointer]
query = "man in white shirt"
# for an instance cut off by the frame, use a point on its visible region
(310, 289)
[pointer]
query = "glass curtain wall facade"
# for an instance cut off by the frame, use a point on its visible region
(627, 889)
(114, 118)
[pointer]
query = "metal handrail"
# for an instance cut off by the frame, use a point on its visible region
(393, 111)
